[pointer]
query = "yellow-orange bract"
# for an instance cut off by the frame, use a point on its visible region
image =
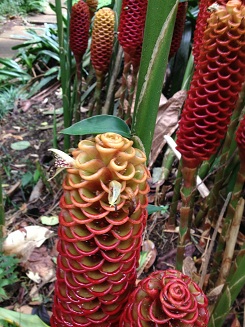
(102, 39)
(103, 214)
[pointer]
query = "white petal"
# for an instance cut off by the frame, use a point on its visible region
(63, 156)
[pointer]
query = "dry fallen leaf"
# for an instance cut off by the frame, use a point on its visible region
(215, 293)
(236, 322)
(36, 192)
(166, 123)
(40, 266)
(149, 249)
(23, 241)
(189, 267)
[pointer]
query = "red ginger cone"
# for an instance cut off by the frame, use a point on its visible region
(92, 4)
(205, 9)
(217, 81)
(102, 40)
(168, 299)
(79, 29)
(131, 26)
(178, 28)
(101, 223)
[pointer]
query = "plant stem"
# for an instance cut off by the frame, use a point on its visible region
(65, 72)
(231, 240)
(2, 216)
(124, 85)
(187, 197)
(235, 282)
(174, 204)
(110, 93)
(132, 91)
(205, 264)
(160, 20)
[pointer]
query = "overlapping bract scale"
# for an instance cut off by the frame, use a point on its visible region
(217, 81)
(168, 299)
(178, 28)
(240, 139)
(205, 9)
(102, 39)
(101, 223)
(131, 25)
(93, 4)
(79, 28)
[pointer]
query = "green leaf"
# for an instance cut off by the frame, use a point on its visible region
(160, 21)
(21, 145)
(235, 283)
(105, 3)
(21, 319)
(99, 124)
(50, 221)
(26, 179)
(36, 176)
(50, 54)
(143, 257)
(151, 208)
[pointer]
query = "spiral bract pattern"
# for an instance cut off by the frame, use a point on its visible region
(93, 4)
(79, 28)
(178, 28)
(101, 223)
(216, 83)
(131, 25)
(102, 39)
(205, 9)
(168, 299)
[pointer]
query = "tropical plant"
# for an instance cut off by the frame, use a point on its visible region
(8, 275)
(101, 224)
(103, 207)
(218, 57)
(21, 7)
(166, 298)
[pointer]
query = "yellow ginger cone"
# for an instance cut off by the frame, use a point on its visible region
(103, 214)
(102, 40)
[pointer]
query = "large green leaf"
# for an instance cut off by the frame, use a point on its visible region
(99, 124)
(235, 283)
(160, 20)
(21, 319)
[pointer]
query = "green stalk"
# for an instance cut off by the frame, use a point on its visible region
(234, 215)
(219, 177)
(235, 282)
(2, 216)
(186, 211)
(160, 20)
(55, 142)
(96, 101)
(167, 164)
(210, 203)
(124, 84)
(230, 220)
(113, 78)
(65, 72)
(132, 91)
(188, 74)
(175, 200)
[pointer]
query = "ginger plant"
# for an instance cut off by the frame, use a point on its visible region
(101, 50)
(214, 91)
(103, 214)
(166, 298)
